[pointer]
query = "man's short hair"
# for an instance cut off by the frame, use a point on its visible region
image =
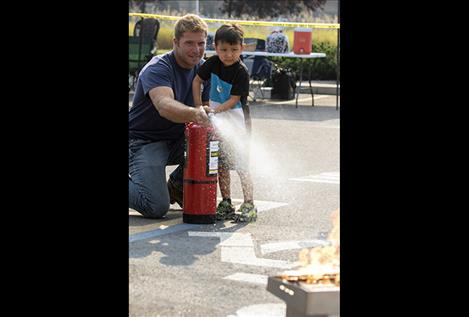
(189, 23)
(229, 33)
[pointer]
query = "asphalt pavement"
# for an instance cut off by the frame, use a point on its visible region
(178, 269)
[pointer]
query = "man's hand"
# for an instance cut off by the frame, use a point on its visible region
(200, 116)
(175, 111)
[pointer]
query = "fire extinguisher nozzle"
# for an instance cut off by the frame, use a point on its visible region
(211, 116)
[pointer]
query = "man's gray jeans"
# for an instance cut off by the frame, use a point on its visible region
(148, 192)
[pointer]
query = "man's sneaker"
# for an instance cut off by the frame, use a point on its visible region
(175, 194)
(225, 210)
(247, 212)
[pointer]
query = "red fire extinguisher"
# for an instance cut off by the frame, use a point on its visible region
(200, 174)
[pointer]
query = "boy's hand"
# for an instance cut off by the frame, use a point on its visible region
(208, 109)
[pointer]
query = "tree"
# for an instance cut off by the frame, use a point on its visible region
(137, 6)
(264, 9)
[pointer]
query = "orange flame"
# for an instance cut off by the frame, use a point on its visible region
(322, 260)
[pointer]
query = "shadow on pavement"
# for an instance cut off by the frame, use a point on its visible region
(136, 219)
(180, 249)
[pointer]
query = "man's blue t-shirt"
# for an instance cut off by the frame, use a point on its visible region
(144, 120)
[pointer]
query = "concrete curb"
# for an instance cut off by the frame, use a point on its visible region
(319, 88)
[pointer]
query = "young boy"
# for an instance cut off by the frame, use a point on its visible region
(229, 82)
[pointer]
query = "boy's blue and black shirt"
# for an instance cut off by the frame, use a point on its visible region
(228, 80)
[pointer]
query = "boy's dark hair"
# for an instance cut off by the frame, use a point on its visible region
(229, 33)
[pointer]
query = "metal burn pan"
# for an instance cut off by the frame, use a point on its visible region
(304, 299)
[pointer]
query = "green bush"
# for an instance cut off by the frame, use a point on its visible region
(322, 68)
(165, 38)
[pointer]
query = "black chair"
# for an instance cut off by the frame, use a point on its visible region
(210, 45)
(260, 70)
(142, 46)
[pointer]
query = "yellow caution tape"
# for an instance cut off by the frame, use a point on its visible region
(245, 22)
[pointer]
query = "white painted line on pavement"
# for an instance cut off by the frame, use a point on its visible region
(262, 205)
(262, 310)
(247, 256)
(247, 277)
(238, 248)
(290, 245)
(328, 178)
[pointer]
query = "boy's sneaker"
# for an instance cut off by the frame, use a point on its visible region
(225, 210)
(248, 213)
(175, 194)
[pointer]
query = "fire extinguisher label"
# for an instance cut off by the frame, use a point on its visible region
(212, 158)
